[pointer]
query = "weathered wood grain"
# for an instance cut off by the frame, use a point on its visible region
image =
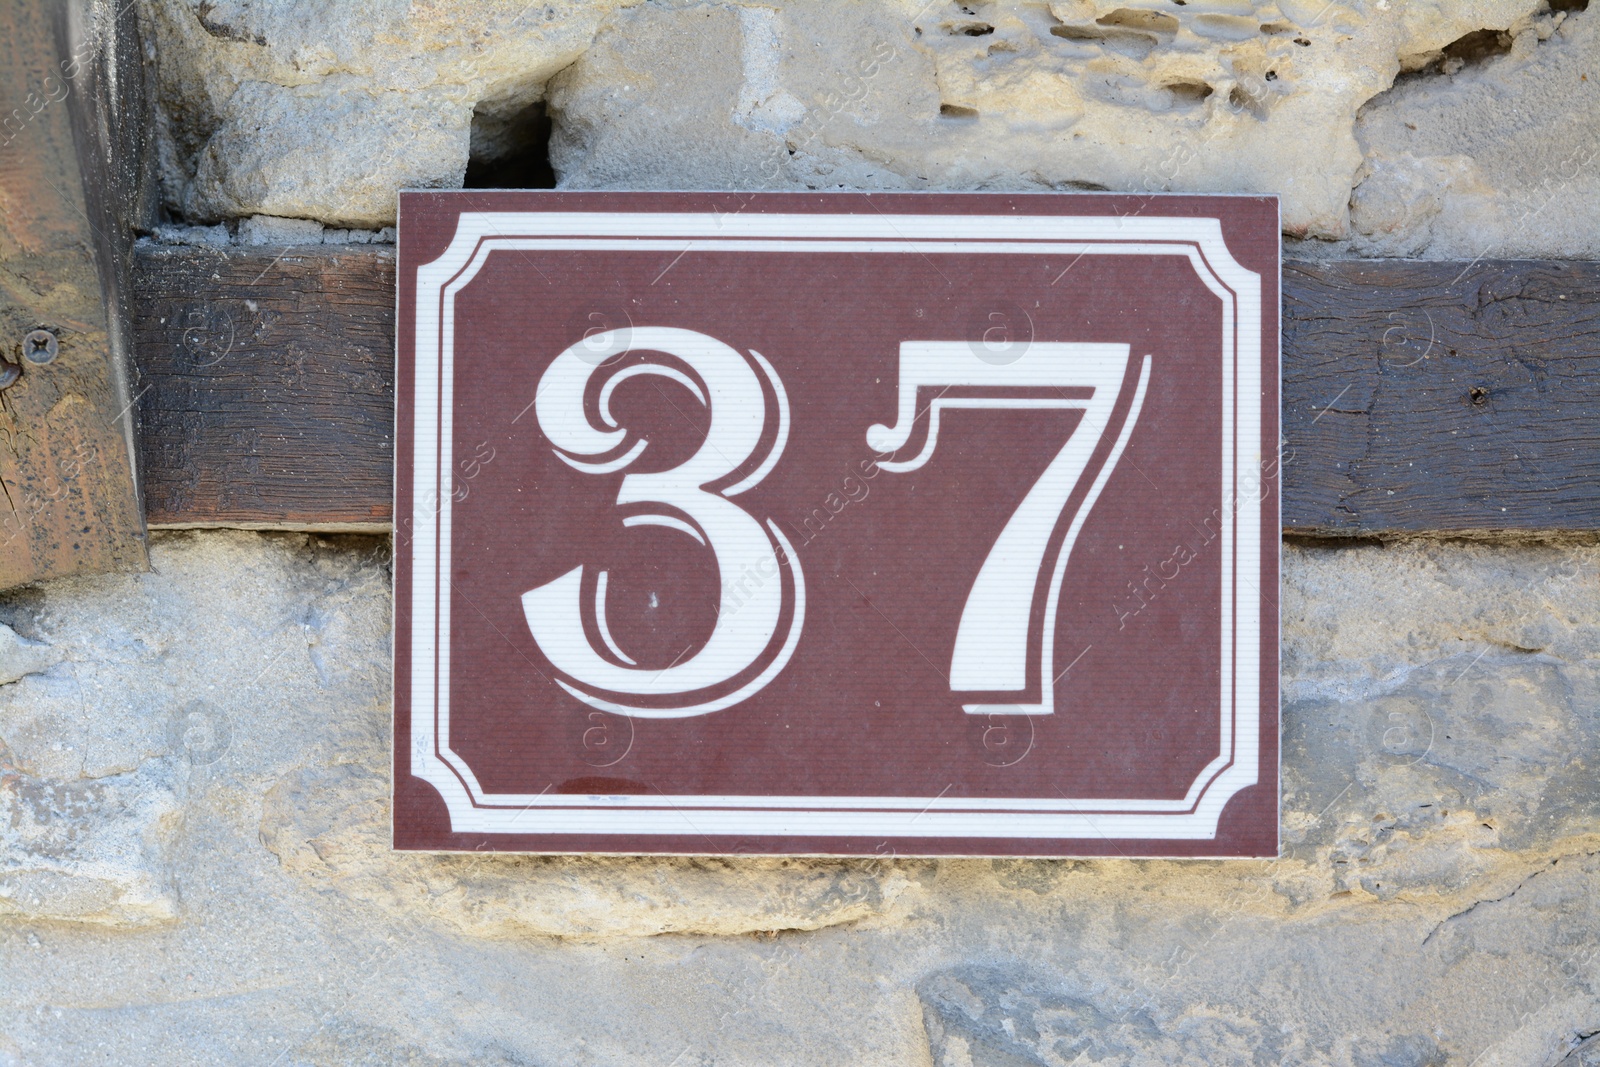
(1441, 397)
(73, 181)
(1418, 397)
(266, 386)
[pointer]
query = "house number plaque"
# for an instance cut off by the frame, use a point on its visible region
(837, 524)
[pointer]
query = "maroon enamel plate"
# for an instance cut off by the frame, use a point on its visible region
(837, 524)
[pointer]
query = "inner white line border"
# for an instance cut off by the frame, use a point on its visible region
(472, 810)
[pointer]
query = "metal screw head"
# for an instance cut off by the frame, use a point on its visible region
(40, 346)
(9, 372)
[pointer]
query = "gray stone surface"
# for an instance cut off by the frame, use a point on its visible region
(1147, 96)
(1500, 158)
(167, 688)
(321, 109)
(1488, 155)
(194, 863)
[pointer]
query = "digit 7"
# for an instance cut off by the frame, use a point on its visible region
(991, 660)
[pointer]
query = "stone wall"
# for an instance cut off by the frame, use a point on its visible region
(193, 854)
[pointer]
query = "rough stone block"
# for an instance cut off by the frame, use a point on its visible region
(1078, 94)
(1494, 154)
(322, 111)
(1208, 97)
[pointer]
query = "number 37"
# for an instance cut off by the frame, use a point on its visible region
(754, 637)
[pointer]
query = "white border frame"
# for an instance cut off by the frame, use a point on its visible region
(1194, 817)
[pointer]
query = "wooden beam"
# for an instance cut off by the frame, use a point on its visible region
(1418, 397)
(73, 181)
(1441, 397)
(266, 389)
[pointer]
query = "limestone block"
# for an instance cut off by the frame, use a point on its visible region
(1143, 95)
(20, 657)
(1429, 788)
(1355, 620)
(323, 109)
(1505, 980)
(1498, 158)
(977, 1014)
(152, 692)
(89, 850)
(1437, 714)
(330, 825)
(655, 108)
(335, 156)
